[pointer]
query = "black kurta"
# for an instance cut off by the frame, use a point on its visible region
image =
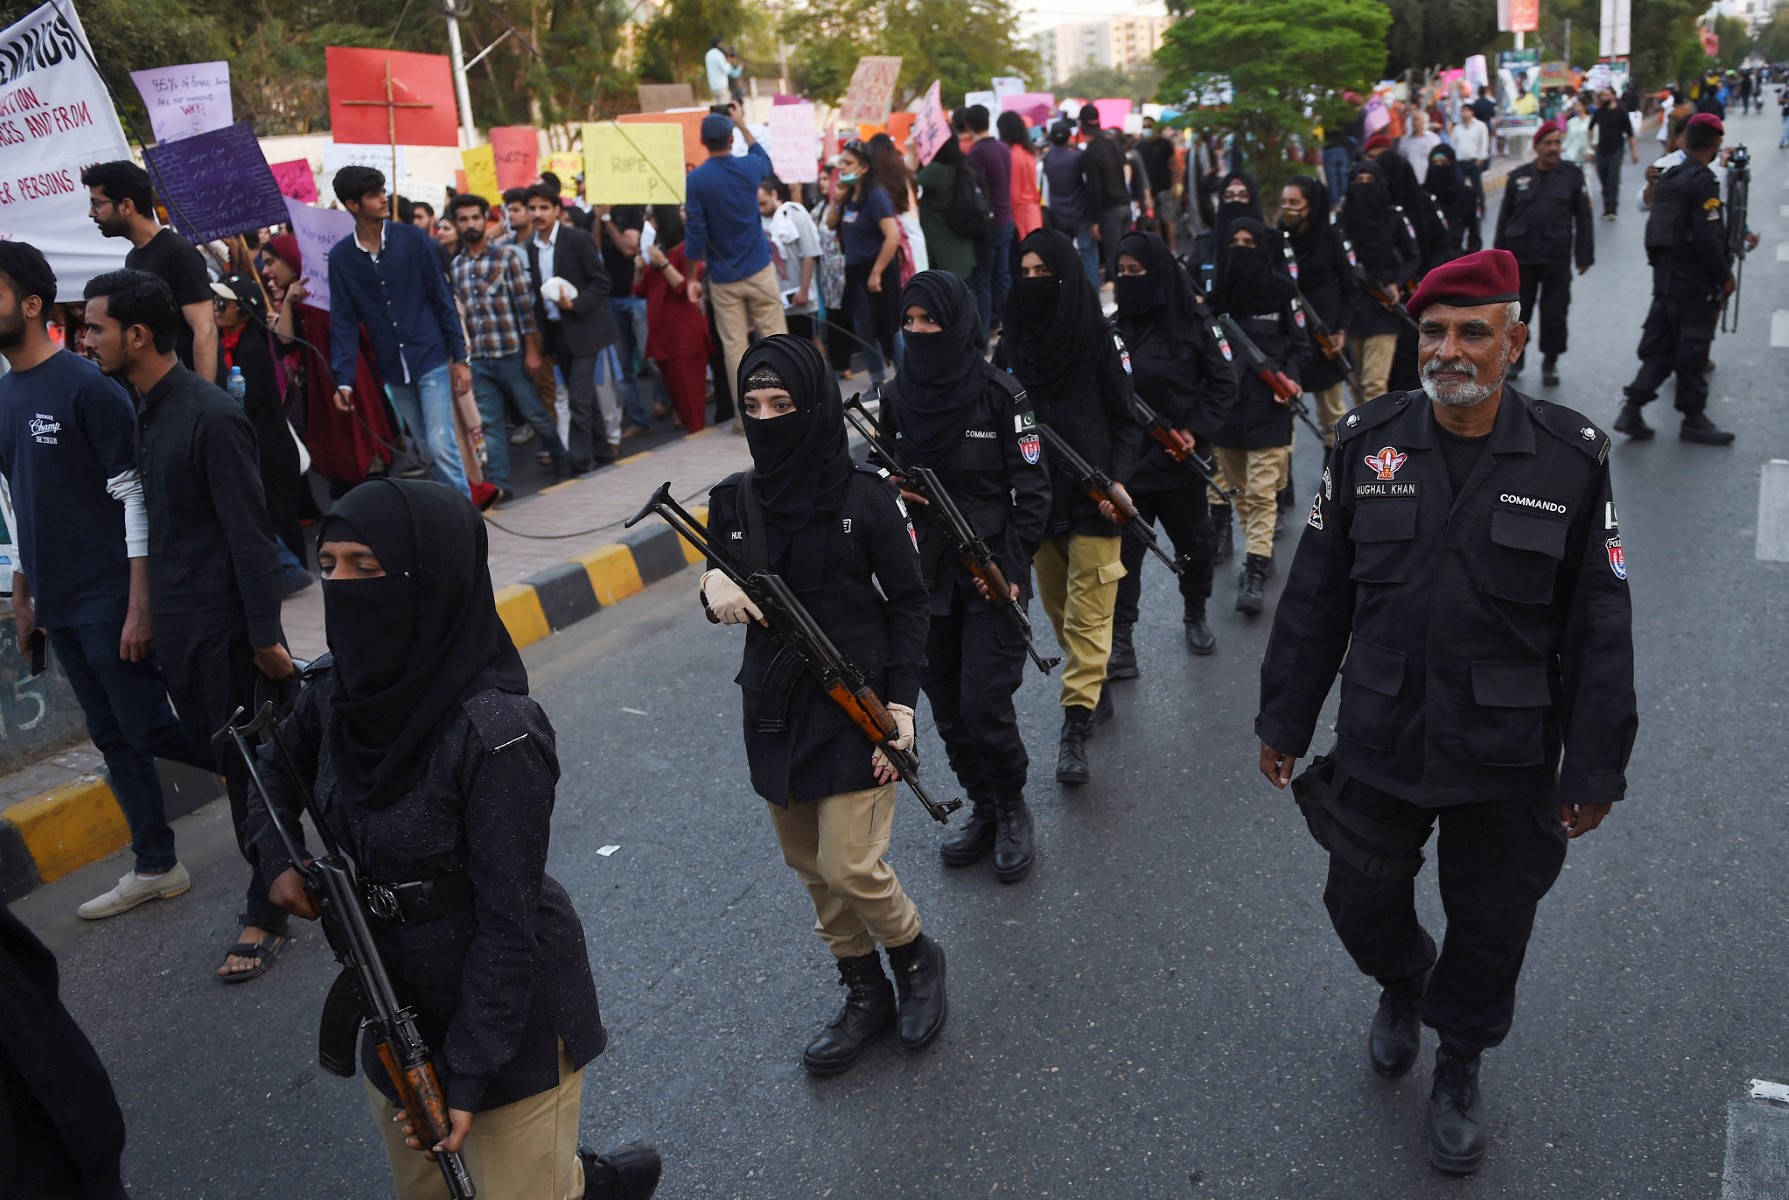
(1188, 376)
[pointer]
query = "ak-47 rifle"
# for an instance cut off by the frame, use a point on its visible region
(795, 629)
(972, 549)
(1099, 486)
(1284, 389)
(1739, 193)
(1330, 343)
(362, 994)
(1180, 445)
(1372, 290)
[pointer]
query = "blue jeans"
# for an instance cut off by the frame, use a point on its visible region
(1335, 172)
(993, 274)
(1089, 253)
(425, 406)
(131, 724)
(495, 380)
(630, 322)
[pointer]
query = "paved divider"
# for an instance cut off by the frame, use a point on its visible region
(70, 826)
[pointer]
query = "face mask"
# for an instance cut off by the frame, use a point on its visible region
(365, 622)
(772, 441)
(1135, 293)
(1149, 133)
(847, 179)
(1038, 299)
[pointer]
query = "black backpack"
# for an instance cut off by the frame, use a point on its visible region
(970, 214)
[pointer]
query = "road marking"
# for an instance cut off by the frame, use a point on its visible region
(1773, 511)
(1783, 251)
(1779, 328)
(1757, 1159)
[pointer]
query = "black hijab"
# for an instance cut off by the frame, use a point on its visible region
(411, 647)
(801, 463)
(942, 373)
(1311, 245)
(1245, 280)
(1366, 210)
(1053, 325)
(1443, 179)
(1400, 181)
(1163, 296)
(1229, 212)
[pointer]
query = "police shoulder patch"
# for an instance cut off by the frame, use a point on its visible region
(1374, 412)
(1713, 202)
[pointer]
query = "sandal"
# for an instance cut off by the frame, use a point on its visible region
(262, 952)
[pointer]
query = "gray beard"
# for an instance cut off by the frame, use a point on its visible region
(1467, 394)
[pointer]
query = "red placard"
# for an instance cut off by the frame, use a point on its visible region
(390, 97)
(517, 148)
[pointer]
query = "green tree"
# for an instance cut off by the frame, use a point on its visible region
(965, 43)
(1431, 33)
(1287, 63)
(1133, 83)
(678, 38)
(1773, 40)
(1660, 30)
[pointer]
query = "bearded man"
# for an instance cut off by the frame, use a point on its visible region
(1462, 566)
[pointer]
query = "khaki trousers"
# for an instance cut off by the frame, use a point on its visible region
(1376, 353)
(1258, 473)
(835, 844)
(738, 306)
(1077, 581)
(1332, 406)
(522, 1151)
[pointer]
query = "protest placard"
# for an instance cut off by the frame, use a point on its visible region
(871, 94)
(390, 97)
(691, 124)
(568, 165)
(60, 120)
(794, 143)
(216, 184)
(185, 100)
(317, 229)
(380, 158)
(1038, 108)
(481, 173)
(987, 100)
(295, 180)
(1112, 113)
(517, 149)
(931, 125)
(638, 164)
(1008, 85)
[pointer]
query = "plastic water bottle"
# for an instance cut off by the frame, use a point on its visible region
(238, 385)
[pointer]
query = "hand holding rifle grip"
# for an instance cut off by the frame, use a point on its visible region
(425, 1107)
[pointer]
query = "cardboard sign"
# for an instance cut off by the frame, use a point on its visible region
(517, 148)
(182, 101)
(568, 165)
(335, 157)
(317, 229)
(384, 96)
(59, 119)
(794, 143)
(1113, 113)
(295, 180)
(871, 94)
(900, 128)
(1008, 85)
(691, 122)
(931, 125)
(216, 184)
(987, 100)
(1038, 108)
(636, 164)
(481, 173)
(657, 97)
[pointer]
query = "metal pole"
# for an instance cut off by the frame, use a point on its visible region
(1568, 42)
(462, 95)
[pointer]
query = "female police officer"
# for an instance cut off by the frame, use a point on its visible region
(435, 772)
(838, 537)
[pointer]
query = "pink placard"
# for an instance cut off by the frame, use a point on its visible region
(295, 180)
(1112, 113)
(931, 127)
(1038, 108)
(517, 149)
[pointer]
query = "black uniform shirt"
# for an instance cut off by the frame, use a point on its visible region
(1694, 265)
(495, 988)
(1485, 631)
(1188, 380)
(1258, 421)
(872, 606)
(1545, 217)
(211, 546)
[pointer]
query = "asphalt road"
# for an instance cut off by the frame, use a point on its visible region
(1161, 1009)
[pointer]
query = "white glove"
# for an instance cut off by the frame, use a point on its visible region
(903, 719)
(726, 601)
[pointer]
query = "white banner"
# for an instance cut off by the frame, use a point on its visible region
(1616, 33)
(317, 229)
(55, 120)
(186, 100)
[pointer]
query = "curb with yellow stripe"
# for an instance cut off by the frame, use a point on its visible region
(78, 823)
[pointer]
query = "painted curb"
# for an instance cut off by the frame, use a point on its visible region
(78, 823)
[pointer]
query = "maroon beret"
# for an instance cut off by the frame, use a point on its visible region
(1710, 120)
(1486, 277)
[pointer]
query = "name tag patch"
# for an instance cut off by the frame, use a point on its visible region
(1381, 491)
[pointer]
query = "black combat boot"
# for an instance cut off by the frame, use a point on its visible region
(1123, 661)
(1199, 638)
(1698, 428)
(627, 1172)
(1249, 595)
(1630, 422)
(1013, 847)
(1456, 1114)
(1550, 371)
(1103, 711)
(919, 977)
(1071, 750)
(869, 1014)
(970, 844)
(1396, 1033)
(1223, 545)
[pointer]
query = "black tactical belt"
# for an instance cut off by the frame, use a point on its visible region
(420, 902)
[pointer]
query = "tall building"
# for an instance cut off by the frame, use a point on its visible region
(1121, 41)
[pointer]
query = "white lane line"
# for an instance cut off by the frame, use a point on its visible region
(1757, 1160)
(1779, 328)
(1773, 516)
(1783, 251)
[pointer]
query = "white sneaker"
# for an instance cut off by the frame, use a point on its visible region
(133, 890)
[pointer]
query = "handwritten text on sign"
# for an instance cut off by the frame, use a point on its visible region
(872, 90)
(794, 143)
(317, 229)
(216, 184)
(931, 128)
(641, 164)
(185, 100)
(517, 151)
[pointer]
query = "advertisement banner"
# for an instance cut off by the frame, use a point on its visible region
(55, 119)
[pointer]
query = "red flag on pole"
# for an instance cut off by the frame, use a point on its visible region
(390, 97)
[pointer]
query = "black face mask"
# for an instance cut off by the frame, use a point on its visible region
(1038, 298)
(1136, 294)
(371, 624)
(773, 440)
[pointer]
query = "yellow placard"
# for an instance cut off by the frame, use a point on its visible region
(568, 166)
(641, 164)
(481, 174)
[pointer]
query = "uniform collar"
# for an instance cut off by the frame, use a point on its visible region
(1512, 432)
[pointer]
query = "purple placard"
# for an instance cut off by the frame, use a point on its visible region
(216, 184)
